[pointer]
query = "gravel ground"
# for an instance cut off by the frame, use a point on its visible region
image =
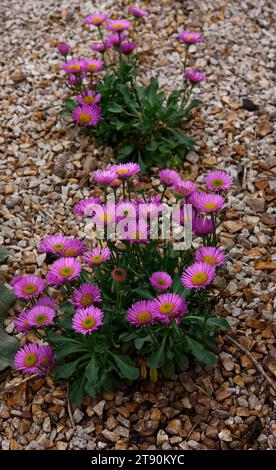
(43, 172)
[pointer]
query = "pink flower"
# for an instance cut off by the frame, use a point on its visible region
(125, 170)
(189, 38)
(198, 275)
(86, 206)
(104, 177)
(210, 255)
(118, 25)
(169, 307)
(209, 203)
(97, 19)
(125, 209)
(137, 12)
(184, 188)
(28, 287)
(63, 270)
(161, 280)
(21, 323)
(218, 181)
(87, 115)
(96, 256)
(28, 359)
(169, 177)
(99, 47)
(74, 66)
(47, 301)
(87, 320)
(40, 316)
(73, 247)
(140, 314)
(46, 357)
(93, 65)
(90, 97)
(119, 274)
(114, 40)
(203, 226)
(86, 295)
(194, 76)
(53, 244)
(128, 47)
(137, 232)
(105, 216)
(63, 48)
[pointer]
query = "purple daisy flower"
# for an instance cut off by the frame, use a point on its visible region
(194, 76)
(96, 256)
(47, 301)
(53, 244)
(114, 40)
(73, 247)
(148, 210)
(28, 358)
(128, 47)
(63, 270)
(93, 65)
(104, 176)
(137, 12)
(86, 206)
(125, 209)
(90, 97)
(161, 280)
(105, 215)
(63, 48)
(87, 320)
(169, 177)
(97, 19)
(46, 357)
(198, 275)
(28, 287)
(40, 316)
(180, 216)
(99, 47)
(74, 66)
(21, 323)
(203, 226)
(140, 314)
(184, 188)
(210, 255)
(125, 170)
(137, 232)
(86, 295)
(218, 181)
(87, 115)
(209, 203)
(118, 25)
(189, 38)
(168, 307)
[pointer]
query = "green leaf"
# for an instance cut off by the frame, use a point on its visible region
(67, 370)
(139, 342)
(126, 367)
(70, 104)
(125, 151)
(56, 338)
(115, 108)
(77, 391)
(181, 360)
(67, 307)
(218, 322)
(4, 254)
(92, 371)
(144, 293)
(8, 347)
(168, 368)
(207, 357)
(69, 348)
(158, 356)
(7, 299)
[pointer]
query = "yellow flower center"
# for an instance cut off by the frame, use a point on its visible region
(58, 247)
(143, 317)
(166, 308)
(161, 282)
(199, 278)
(189, 37)
(45, 361)
(40, 318)
(86, 300)
(122, 171)
(29, 289)
(70, 252)
(66, 271)
(30, 360)
(89, 99)
(116, 181)
(96, 20)
(209, 259)
(217, 183)
(118, 26)
(209, 206)
(91, 67)
(97, 259)
(88, 323)
(74, 68)
(84, 118)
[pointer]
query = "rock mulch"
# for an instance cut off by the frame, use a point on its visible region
(44, 166)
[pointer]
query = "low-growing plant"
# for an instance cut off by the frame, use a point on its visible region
(141, 122)
(128, 303)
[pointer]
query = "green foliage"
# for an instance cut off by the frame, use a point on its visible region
(8, 344)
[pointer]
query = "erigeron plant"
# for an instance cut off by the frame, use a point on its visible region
(142, 123)
(126, 308)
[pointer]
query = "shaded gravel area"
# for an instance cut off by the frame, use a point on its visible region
(44, 166)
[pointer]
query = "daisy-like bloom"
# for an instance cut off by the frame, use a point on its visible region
(46, 357)
(114, 40)
(86, 295)
(147, 210)
(195, 197)
(87, 320)
(218, 181)
(168, 307)
(47, 301)
(125, 170)
(116, 183)
(210, 255)
(189, 38)
(105, 216)
(63, 48)
(28, 359)
(128, 47)
(93, 65)
(40, 316)
(87, 115)
(141, 314)
(15, 279)
(74, 66)
(104, 176)
(137, 12)
(28, 287)
(198, 275)
(181, 216)
(21, 323)
(86, 206)
(97, 19)
(73, 80)
(125, 209)
(119, 274)
(161, 280)
(194, 76)
(118, 25)
(96, 256)
(73, 247)
(169, 177)
(203, 226)
(137, 232)
(209, 203)
(184, 188)
(90, 97)
(99, 47)
(53, 244)
(62, 270)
